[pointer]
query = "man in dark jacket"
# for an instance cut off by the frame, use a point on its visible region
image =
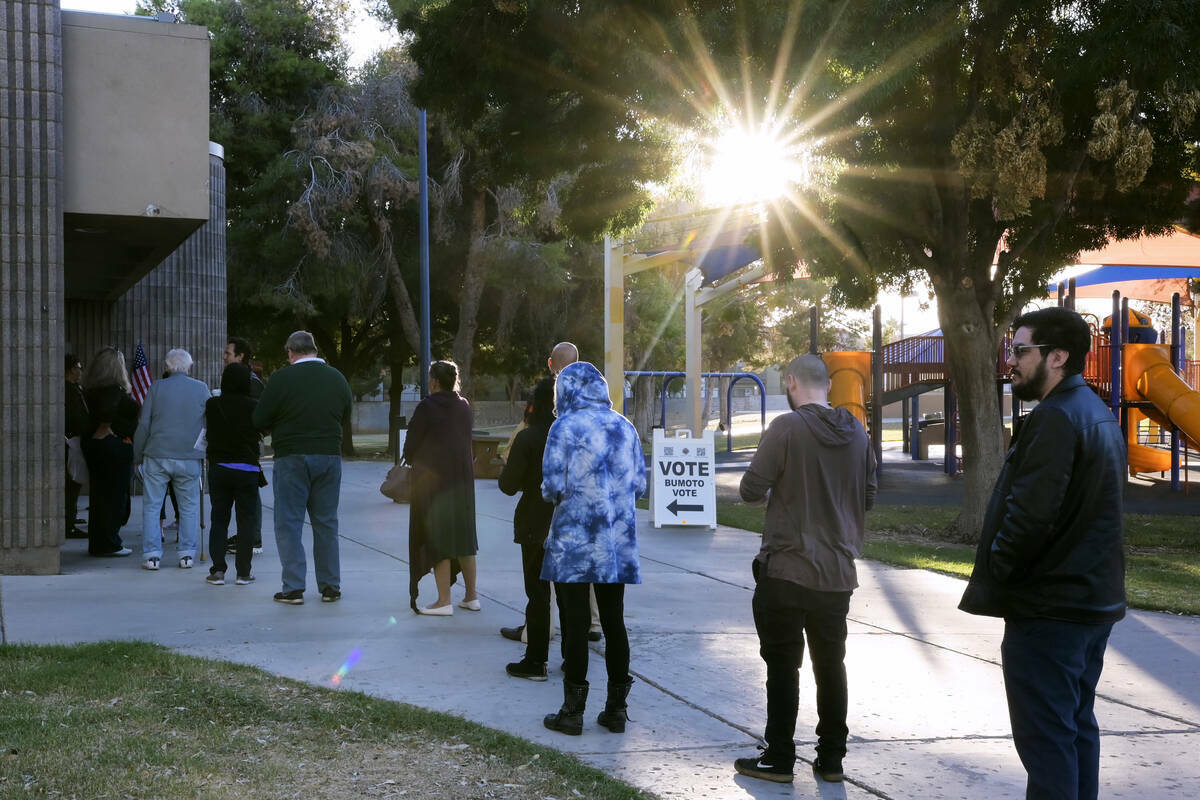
(1050, 558)
(816, 468)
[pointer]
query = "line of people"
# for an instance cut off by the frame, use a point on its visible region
(1050, 558)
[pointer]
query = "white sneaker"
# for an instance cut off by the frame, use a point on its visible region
(185, 562)
(258, 551)
(150, 563)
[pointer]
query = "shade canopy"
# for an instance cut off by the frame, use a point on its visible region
(1151, 268)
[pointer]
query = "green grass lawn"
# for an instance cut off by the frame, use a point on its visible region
(1162, 567)
(134, 720)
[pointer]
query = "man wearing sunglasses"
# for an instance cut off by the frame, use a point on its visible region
(1050, 559)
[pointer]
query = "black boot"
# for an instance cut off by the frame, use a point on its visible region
(569, 718)
(615, 713)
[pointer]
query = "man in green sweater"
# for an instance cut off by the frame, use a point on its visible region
(303, 407)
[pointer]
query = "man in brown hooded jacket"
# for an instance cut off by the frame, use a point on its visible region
(816, 469)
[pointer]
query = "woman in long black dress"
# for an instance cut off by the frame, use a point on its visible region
(441, 521)
(108, 450)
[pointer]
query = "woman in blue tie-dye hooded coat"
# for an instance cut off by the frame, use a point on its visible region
(592, 472)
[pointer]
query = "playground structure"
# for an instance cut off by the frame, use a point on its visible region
(1149, 386)
(734, 377)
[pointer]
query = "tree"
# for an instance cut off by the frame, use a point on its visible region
(980, 144)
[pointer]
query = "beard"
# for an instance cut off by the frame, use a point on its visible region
(1032, 387)
(791, 403)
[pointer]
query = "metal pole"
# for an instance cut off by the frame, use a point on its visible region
(614, 320)
(1071, 294)
(812, 329)
(691, 323)
(1176, 362)
(1114, 349)
(877, 385)
(426, 334)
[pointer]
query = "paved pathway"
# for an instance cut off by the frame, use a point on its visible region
(927, 718)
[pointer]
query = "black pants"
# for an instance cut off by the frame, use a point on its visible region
(227, 488)
(783, 613)
(576, 613)
(110, 469)
(537, 607)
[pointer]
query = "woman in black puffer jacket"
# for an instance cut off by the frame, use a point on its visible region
(234, 474)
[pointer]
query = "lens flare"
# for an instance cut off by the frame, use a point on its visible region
(348, 665)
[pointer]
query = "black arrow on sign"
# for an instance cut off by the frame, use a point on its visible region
(675, 508)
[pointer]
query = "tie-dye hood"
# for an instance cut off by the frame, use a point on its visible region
(592, 471)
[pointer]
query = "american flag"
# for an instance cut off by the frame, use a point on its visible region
(140, 378)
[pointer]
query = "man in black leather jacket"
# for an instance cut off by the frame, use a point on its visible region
(1051, 559)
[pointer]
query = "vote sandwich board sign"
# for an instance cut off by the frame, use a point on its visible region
(683, 486)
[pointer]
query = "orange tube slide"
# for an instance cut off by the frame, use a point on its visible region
(850, 374)
(1147, 375)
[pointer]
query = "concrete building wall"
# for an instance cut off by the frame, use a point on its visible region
(136, 91)
(31, 283)
(181, 303)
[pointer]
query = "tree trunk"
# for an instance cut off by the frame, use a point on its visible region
(472, 293)
(723, 412)
(971, 341)
(644, 396)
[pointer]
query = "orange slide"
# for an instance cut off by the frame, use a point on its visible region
(850, 376)
(1147, 376)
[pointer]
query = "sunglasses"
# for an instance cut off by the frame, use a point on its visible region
(1018, 350)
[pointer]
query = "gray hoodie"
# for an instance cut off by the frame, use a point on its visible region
(819, 469)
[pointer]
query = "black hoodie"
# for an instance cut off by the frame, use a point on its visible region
(232, 438)
(818, 465)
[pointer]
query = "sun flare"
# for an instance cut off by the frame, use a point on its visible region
(748, 166)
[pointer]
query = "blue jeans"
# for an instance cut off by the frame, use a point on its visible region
(1051, 669)
(184, 475)
(313, 484)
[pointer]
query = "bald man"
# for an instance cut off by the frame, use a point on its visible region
(564, 353)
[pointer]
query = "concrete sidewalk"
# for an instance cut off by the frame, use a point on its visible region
(927, 711)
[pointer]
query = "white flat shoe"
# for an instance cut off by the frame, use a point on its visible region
(470, 605)
(443, 611)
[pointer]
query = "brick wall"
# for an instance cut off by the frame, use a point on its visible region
(31, 299)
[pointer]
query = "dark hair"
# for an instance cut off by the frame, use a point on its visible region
(235, 379)
(446, 374)
(70, 362)
(543, 403)
(1061, 328)
(242, 348)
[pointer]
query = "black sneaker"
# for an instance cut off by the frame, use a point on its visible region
(216, 578)
(528, 670)
(765, 768)
(292, 598)
(828, 769)
(330, 595)
(512, 634)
